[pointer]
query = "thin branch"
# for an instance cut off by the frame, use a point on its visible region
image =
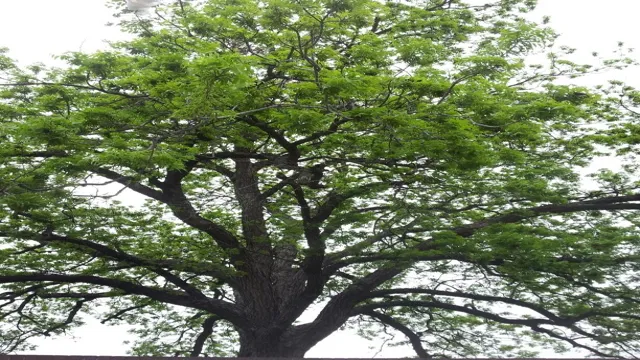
(76, 86)
(537, 308)
(415, 340)
(121, 256)
(121, 312)
(534, 324)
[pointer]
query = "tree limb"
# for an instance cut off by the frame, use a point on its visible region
(207, 330)
(221, 308)
(336, 311)
(174, 197)
(130, 183)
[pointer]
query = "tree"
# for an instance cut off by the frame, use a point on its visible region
(376, 164)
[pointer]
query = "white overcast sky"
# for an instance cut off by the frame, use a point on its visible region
(34, 30)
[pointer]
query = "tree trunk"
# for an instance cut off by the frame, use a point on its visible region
(266, 300)
(263, 344)
(270, 292)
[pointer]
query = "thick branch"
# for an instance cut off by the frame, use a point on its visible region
(311, 264)
(221, 308)
(182, 208)
(339, 308)
(207, 330)
(181, 265)
(174, 197)
(130, 183)
(611, 203)
(335, 312)
(251, 204)
(70, 295)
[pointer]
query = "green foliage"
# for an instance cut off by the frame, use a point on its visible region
(239, 162)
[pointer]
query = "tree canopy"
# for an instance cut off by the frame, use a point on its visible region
(399, 164)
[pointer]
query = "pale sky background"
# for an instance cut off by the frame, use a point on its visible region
(34, 30)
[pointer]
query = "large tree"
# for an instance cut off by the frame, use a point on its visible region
(240, 163)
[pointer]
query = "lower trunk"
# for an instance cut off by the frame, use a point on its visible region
(267, 294)
(261, 344)
(269, 351)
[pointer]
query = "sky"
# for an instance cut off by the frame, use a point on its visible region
(34, 30)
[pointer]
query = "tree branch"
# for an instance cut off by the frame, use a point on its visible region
(221, 308)
(537, 308)
(175, 198)
(130, 183)
(534, 324)
(275, 134)
(415, 340)
(611, 203)
(119, 313)
(105, 251)
(76, 86)
(336, 311)
(207, 330)
(333, 127)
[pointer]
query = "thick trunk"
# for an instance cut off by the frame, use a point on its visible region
(267, 302)
(272, 292)
(263, 344)
(266, 297)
